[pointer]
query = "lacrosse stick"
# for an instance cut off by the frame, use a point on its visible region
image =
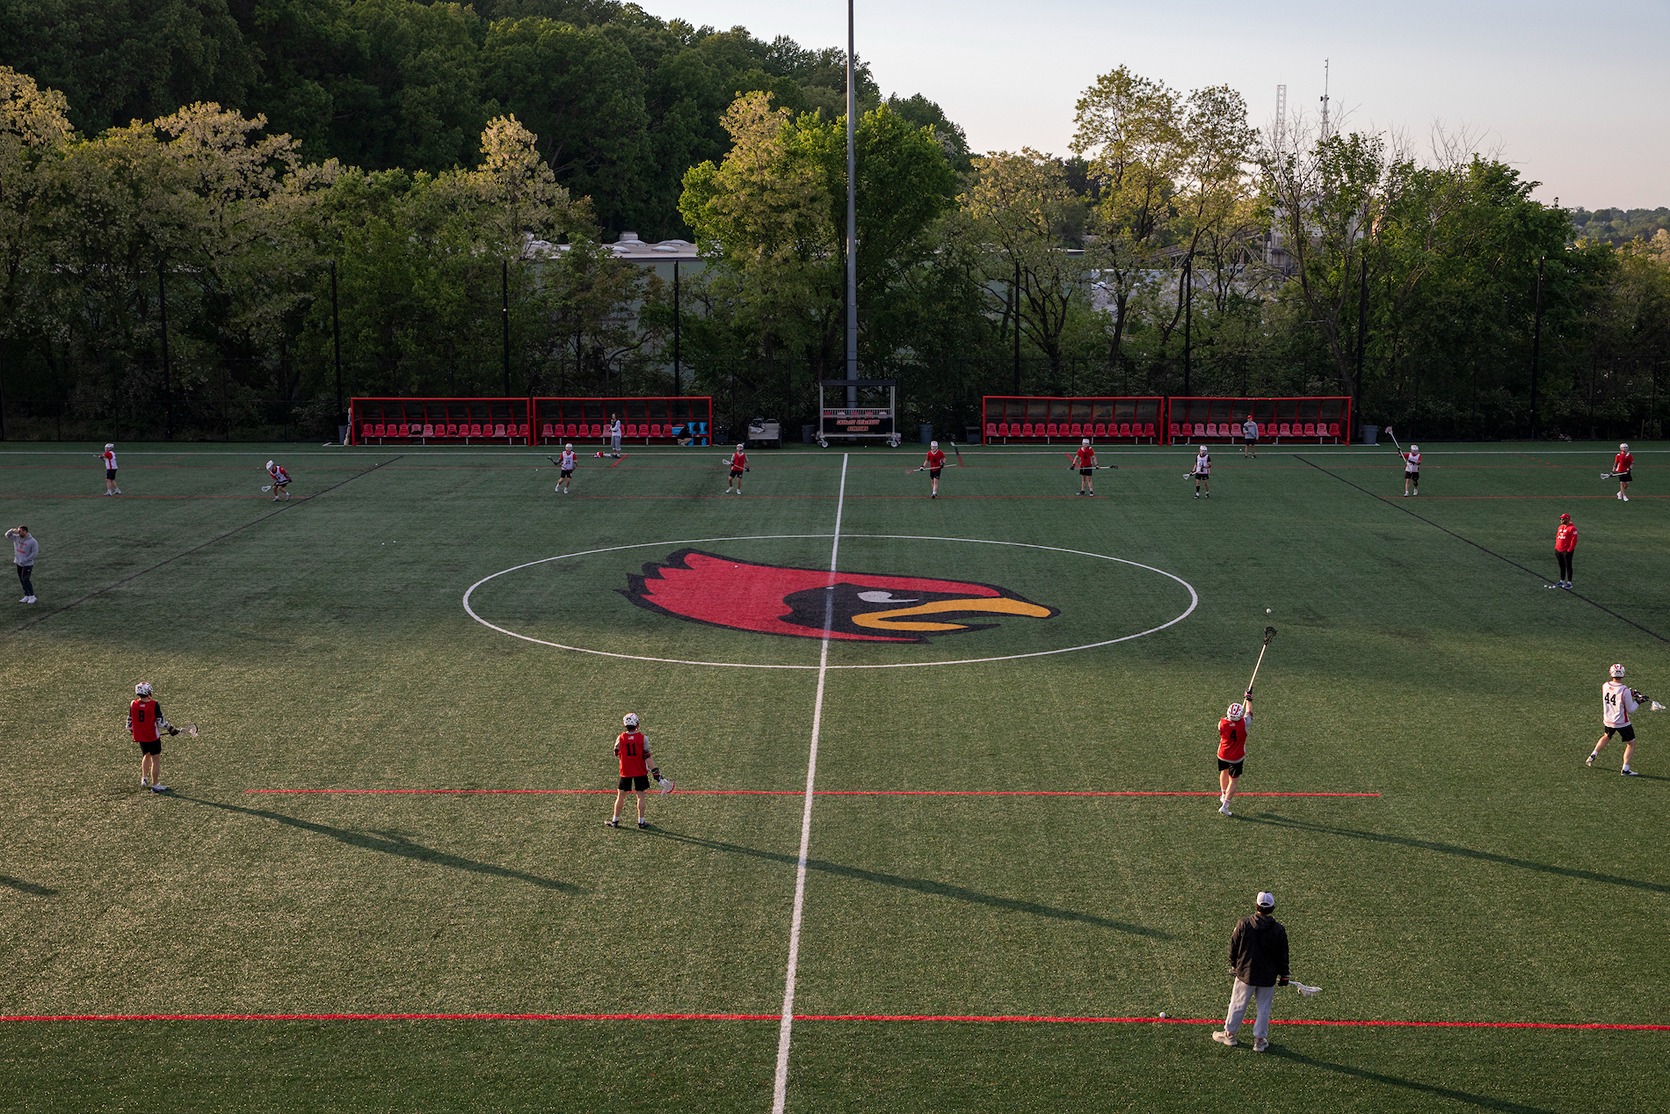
(1609, 475)
(1269, 633)
(666, 783)
(918, 468)
(1393, 436)
(1643, 698)
(1304, 991)
(266, 487)
(188, 729)
(555, 461)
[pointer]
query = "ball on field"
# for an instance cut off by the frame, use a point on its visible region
(1163, 1013)
(1266, 611)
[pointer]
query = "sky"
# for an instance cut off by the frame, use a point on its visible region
(1572, 95)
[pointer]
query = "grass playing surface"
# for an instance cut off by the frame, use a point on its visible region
(382, 881)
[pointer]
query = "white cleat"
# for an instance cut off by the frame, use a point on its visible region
(1226, 1039)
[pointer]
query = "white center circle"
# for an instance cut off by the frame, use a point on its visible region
(1194, 601)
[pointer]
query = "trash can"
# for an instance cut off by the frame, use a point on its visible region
(926, 432)
(971, 435)
(808, 434)
(1371, 434)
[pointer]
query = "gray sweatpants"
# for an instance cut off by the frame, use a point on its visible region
(1240, 998)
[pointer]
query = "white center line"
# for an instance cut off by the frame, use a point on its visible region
(785, 1024)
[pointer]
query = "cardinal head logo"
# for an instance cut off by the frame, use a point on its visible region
(808, 603)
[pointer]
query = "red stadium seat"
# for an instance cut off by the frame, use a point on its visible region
(1211, 429)
(991, 431)
(1051, 429)
(1121, 429)
(1200, 429)
(1026, 429)
(428, 431)
(1284, 430)
(498, 430)
(1003, 430)
(1310, 429)
(547, 431)
(1077, 430)
(1149, 432)
(1333, 430)
(1175, 432)
(366, 433)
(474, 430)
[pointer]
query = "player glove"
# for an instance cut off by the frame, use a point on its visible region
(1248, 696)
(1282, 981)
(655, 772)
(173, 730)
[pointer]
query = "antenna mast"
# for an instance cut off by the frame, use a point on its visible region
(1324, 98)
(1281, 117)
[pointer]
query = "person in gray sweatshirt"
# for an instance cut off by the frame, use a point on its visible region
(24, 549)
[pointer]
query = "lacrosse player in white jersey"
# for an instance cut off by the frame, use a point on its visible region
(1617, 701)
(1202, 472)
(565, 466)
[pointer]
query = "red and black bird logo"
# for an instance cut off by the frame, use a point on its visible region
(804, 603)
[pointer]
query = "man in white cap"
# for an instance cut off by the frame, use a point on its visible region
(1258, 960)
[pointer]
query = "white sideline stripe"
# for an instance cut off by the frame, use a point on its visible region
(785, 1024)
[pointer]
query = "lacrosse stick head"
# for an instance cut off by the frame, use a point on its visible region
(189, 729)
(1657, 707)
(1307, 991)
(667, 786)
(1269, 633)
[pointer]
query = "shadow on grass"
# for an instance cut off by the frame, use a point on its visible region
(388, 843)
(922, 886)
(21, 886)
(1482, 1102)
(1453, 849)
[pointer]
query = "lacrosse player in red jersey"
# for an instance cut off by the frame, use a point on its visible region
(146, 724)
(1565, 547)
(738, 464)
(1085, 461)
(933, 462)
(1617, 701)
(1232, 749)
(1622, 464)
(632, 750)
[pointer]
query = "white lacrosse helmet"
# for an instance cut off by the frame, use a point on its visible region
(143, 688)
(269, 466)
(1202, 451)
(1617, 672)
(1414, 448)
(1237, 711)
(933, 444)
(109, 446)
(629, 720)
(1084, 441)
(568, 448)
(740, 448)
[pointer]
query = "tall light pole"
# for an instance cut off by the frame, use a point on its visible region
(852, 216)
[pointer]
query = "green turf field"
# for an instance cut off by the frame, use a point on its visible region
(382, 878)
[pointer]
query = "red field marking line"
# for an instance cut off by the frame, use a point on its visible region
(870, 1018)
(351, 792)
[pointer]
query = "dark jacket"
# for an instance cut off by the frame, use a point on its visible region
(1258, 950)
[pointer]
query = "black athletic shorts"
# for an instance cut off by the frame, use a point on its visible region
(110, 473)
(1626, 732)
(933, 473)
(1412, 477)
(640, 783)
(151, 748)
(1087, 471)
(1622, 477)
(1234, 768)
(735, 473)
(567, 474)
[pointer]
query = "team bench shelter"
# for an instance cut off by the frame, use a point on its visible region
(1137, 418)
(529, 421)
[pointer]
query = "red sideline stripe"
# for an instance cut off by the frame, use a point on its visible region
(800, 792)
(1020, 1019)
